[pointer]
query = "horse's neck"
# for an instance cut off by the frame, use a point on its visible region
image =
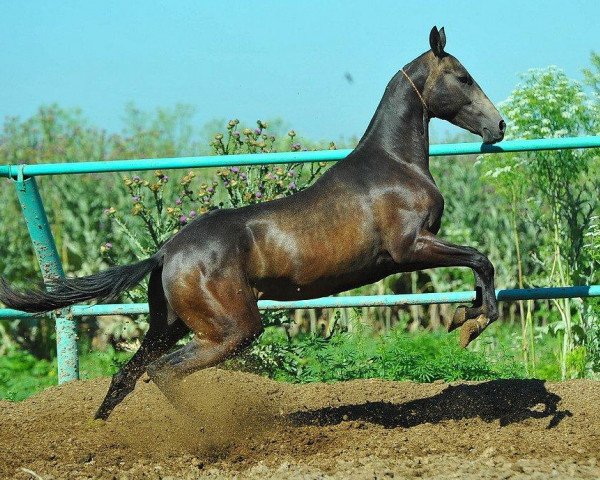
(399, 129)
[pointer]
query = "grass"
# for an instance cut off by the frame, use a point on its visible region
(397, 355)
(22, 375)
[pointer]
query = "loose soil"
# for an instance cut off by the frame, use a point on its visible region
(237, 425)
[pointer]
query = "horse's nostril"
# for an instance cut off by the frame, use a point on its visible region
(502, 126)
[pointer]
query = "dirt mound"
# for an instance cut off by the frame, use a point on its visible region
(231, 424)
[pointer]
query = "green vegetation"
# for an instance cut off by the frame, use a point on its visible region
(557, 192)
(536, 215)
(396, 355)
(22, 375)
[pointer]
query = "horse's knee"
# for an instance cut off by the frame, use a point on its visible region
(208, 348)
(483, 266)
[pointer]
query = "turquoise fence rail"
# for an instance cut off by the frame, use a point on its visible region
(13, 171)
(44, 245)
(346, 301)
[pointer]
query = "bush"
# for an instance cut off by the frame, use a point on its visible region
(396, 355)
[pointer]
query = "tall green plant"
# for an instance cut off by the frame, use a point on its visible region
(507, 175)
(556, 191)
(53, 134)
(161, 206)
(74, 206)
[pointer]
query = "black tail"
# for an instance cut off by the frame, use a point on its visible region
(63, 292)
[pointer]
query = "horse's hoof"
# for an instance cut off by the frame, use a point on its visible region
(471, 329)
(459, 318)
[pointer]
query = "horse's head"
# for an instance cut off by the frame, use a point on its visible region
(451, 93)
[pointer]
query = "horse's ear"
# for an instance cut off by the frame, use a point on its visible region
(437, 41)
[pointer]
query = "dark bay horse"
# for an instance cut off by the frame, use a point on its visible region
(381, 203)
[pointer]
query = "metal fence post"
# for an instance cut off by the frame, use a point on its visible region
(51, 267)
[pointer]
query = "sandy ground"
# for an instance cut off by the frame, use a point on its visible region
(237, 425)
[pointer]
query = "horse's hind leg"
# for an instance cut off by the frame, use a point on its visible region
(159, 339)
(225, 320)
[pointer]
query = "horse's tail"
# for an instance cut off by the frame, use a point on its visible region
(63, 292)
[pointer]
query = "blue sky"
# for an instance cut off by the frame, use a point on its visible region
(266, 59)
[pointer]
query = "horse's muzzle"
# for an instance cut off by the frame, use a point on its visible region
(495, 134)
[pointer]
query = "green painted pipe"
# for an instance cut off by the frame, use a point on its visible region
(347, 301)
(45, 250)
(284, 157)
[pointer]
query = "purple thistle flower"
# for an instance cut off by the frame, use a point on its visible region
(235, 170)
(165, 179)
(210, 190)
(243, 176)
(258, 195)
(292, 173)
(108, 245)
(183, 219)
(225, 182)
(136, 178)
(192, 213)
(178, 201)
(236, 134)
(257, 131)
(292, 186)
(135, 198)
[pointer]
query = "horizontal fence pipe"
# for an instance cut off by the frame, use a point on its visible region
(347, 301)
(11, 171)
(432, 298)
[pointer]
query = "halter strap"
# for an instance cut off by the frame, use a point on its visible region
(416, 90)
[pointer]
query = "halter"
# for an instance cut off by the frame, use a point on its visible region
(425, 109)
(415, 89)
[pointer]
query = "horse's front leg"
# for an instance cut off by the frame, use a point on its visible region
(431, 252)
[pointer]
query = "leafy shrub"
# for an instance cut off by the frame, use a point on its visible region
(555, 191)
(22, 374)
(396, 355)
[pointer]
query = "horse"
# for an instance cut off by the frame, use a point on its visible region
(381, 203)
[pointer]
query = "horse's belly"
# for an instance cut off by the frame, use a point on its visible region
(335, 281)
(328, 250)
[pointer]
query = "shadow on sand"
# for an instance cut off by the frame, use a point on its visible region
(508, 401)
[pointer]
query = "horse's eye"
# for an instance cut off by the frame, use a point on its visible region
(466, 79)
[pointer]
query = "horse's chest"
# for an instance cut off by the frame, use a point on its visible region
(409, 209)
(435, 210)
